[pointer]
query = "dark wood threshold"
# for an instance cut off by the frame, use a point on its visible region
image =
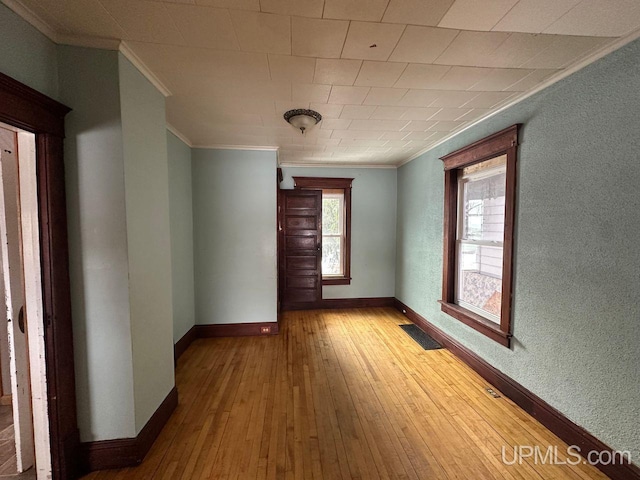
(129, 452)
(478, 323)
(329, 303)
(548, 416)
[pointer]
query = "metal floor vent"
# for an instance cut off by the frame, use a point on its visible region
(421, 338)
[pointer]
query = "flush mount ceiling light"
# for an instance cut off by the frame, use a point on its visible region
(302, 118)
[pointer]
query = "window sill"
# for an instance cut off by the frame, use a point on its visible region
(477, 322)
(336, 281)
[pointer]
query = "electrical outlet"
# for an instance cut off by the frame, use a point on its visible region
(492, 392)
(265, 330)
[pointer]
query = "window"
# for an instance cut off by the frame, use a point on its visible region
(336, 226)
(478, 234)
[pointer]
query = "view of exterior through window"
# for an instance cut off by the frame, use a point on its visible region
(333, 237)
(481, 189)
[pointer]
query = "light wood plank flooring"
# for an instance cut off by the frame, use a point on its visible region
(339, 394)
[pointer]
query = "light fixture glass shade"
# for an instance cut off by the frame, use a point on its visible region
(302, 119)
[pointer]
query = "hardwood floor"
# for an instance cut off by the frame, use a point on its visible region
(340, 394)
(8, 466)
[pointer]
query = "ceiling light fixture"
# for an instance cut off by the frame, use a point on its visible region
(302, 118)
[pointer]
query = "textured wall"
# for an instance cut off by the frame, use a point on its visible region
(146, 180)
(577, 267)
(373, 229)
(98, 260)
(181, 215)
(27, 55)
(234, 218)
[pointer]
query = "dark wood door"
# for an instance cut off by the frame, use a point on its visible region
(301, 223)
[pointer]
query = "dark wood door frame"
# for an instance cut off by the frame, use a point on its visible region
(28, 109)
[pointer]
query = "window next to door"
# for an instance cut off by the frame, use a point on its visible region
(336, 226)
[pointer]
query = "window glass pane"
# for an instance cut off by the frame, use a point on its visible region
(482, 205)
(480, 279)
(331, 215)
(331, 255)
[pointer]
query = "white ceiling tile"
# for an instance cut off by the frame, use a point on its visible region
(469, 48)
(336, 123)
(611, 18)
(237, 4)
(318, 38)
(474, 114)
(281, 106)
(365, 10)
(498, 79)
(462, 78)
(285, 68)
(447, 114)
(419, 125)
(385, 96)
(416, 12)
(417, 75)
(262, 32)
(379, 74)
(446, 126)
(517, 50)
(348, 95)
(357, 142)
(419, 113)
(377, 125)
(453, 99)
(204, 26)
(394, 136)
(82, 17)
(419, 136)
(564, 51)
(353, 134)
(533, 16)
(476, 14)
(419, 98)
(336, 71)
(357, 111)
(371, 41)
(310, 92)
(422, 44)
(144, 21)
(531, 80)
(389, 113)
(300, 8)
(327, 110)
(488, 99)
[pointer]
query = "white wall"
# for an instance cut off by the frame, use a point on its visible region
(181, 216)
(146, 181)
(373, 229)
(234, 216)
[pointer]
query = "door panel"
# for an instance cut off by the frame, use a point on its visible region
(302, 248)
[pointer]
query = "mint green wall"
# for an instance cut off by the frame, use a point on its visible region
(234, 219)
(373, 229)
(146, 181)
(181, 216)
(577, 267)
(27, 55)
(89, 83)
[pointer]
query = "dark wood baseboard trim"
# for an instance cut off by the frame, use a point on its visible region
(551, 418)
(182, 344)
(236, 329)
(129, 452)
(5, 400)
(328, 303)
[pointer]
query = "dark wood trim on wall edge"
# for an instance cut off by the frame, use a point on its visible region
(548, 416)
(129, 452)
(181, 345)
